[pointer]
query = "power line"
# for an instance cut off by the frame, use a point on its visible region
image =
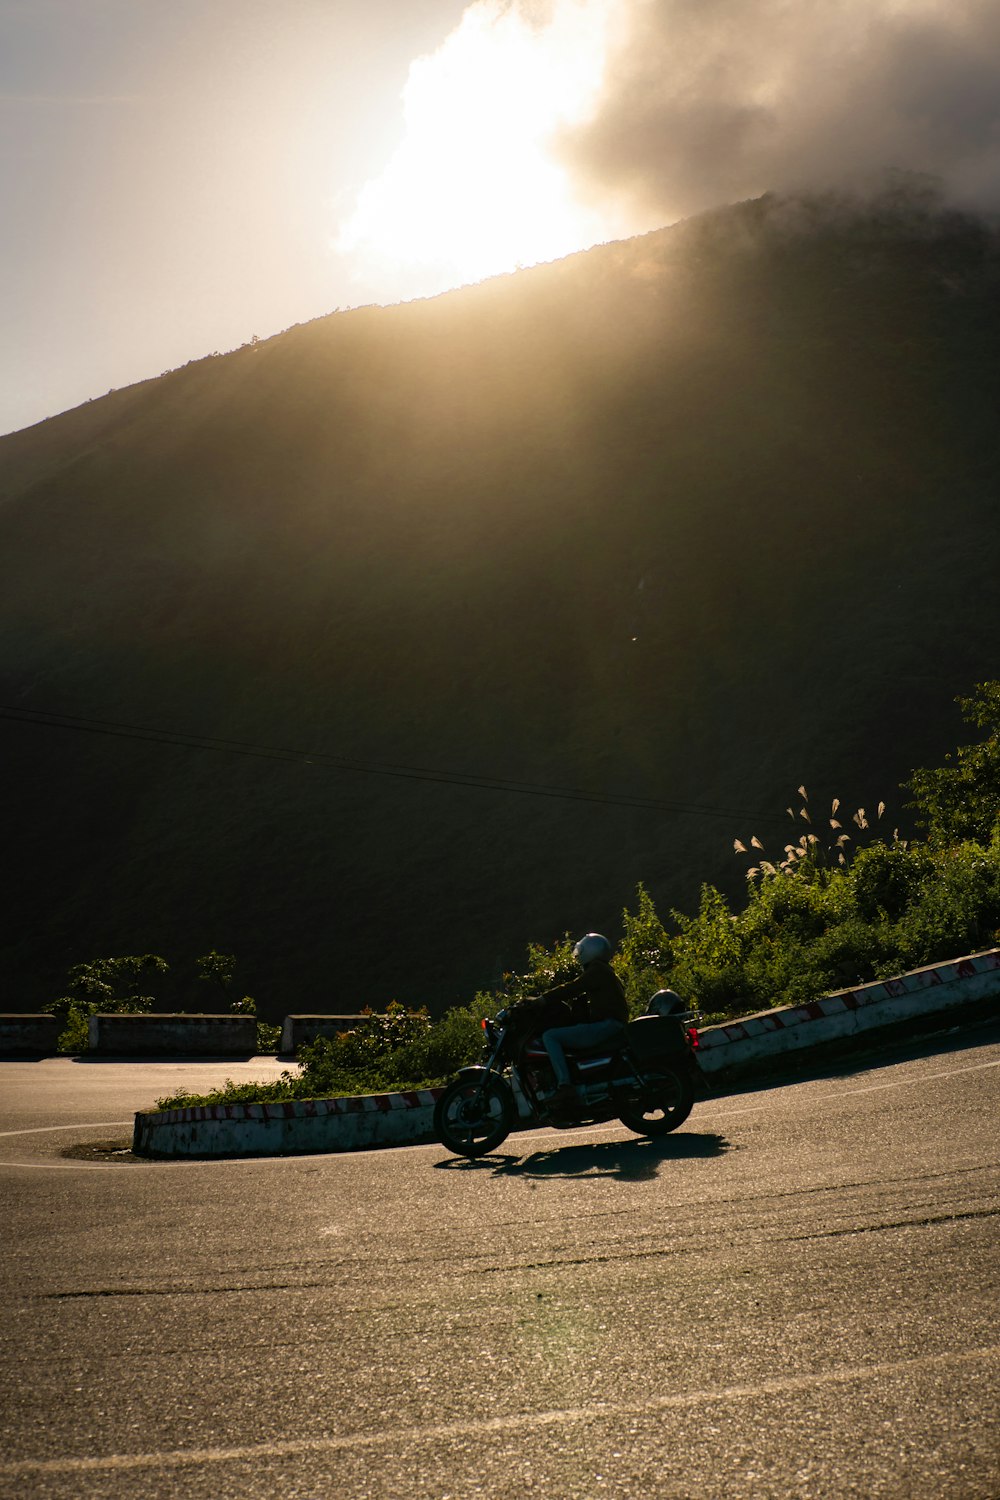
(326, 760)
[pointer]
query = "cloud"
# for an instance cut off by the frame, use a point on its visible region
(539, 127)
(473, 187)
(710, 101)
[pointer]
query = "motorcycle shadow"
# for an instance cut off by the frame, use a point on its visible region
(628, 1161)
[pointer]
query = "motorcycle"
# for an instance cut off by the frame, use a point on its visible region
(647, 1077)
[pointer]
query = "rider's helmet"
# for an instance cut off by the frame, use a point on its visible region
(665, 1003)
(590, 947)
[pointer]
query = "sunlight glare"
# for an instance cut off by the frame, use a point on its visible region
(475, 187)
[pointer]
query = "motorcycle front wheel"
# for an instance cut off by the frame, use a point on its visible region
(473, 1116)
(663, 1108)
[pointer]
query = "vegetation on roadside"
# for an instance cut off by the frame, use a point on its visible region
(107, 986)
(842, 903)
(113, 986)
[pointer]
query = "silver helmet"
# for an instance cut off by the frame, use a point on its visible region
(666, 1003)
(590, 947)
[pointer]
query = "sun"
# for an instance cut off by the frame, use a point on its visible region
(475, 186)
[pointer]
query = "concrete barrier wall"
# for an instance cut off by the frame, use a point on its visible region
(296, 1031)
(732, 1050)
(34, 1034)
(173, 1035)
(295, 1126)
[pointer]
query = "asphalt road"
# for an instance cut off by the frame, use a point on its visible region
(795, 1295)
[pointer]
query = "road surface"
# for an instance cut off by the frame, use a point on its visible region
(794, 1295)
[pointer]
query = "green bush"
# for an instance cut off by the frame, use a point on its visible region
(644, 955)
(546, 967)
(956, 908)
(268, 1037)
(360, 1061)
(103, 986)
(805, 931)
(886, 879)
(275, 1091)
(960, 801)
(454, 1042)
(75, 1035)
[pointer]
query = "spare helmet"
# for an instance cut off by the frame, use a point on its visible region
(665, 1003)
(590, 947)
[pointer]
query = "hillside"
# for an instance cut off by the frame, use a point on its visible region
(692, 518)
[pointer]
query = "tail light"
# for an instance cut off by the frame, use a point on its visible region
(694, 1038)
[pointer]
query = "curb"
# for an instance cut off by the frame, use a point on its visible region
(290, 1127)
(730, 1052)
(754, 1046)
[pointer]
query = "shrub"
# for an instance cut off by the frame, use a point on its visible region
(104, 985)
(453, 1042)
(706, 965)
(275, 1091)
(960, 801)
(956, 908)
(886, 879)
(546, 967)
(268, 1037)
(216, 968)
(358, 1060)
(75, 1035)
(644, 955)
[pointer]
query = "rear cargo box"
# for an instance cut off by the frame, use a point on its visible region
(651, 1037)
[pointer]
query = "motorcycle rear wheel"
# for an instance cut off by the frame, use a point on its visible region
(471, 1118)
(663, 1111)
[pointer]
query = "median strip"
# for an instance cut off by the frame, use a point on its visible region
(290, 1126)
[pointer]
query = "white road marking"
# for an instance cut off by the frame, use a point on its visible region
(866, 1088)
(67, 1166)
(93, 1125)
(504, 1425)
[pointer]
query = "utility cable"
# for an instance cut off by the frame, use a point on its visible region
(325, 759)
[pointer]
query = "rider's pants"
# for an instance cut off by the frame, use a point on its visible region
(589, 1034)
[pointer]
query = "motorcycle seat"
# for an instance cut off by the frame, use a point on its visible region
(535, 1052)
(597, 1049)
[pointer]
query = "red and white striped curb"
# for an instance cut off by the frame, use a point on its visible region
(288, 1126)
(883, 1002)
(298, 1109)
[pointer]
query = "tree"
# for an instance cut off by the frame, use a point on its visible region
(110, 984)
(960, 800)
(217, 968)
(101, 986)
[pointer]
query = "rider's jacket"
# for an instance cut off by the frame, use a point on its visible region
(600, 987)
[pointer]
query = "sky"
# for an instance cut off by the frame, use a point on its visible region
(176, 178)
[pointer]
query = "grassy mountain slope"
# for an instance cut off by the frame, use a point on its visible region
(691, 518)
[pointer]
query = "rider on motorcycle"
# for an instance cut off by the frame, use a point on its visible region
(598, 994)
